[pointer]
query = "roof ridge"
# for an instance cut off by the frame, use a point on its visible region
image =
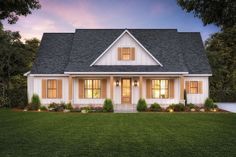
(58, 33)
(126, 28)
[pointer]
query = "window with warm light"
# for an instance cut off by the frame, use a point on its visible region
(160, 89)
(193, 87)
(52, 88)
(92, 89)
(126, 53)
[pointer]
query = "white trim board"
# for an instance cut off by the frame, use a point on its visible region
(206, 75)
(185, 74)
(49, 75)
(122, 34)
(125, 73)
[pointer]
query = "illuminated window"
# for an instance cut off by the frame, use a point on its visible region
(160, 89)
(193, 87)
(52, 88)
(92, 89)
(127, 53)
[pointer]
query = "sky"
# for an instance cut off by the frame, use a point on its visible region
(67, 15)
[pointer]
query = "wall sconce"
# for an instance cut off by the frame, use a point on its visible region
(117, 83)
(135, 83)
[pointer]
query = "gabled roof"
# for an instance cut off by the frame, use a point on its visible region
(53, 54)
(75, 52)
(117, 39)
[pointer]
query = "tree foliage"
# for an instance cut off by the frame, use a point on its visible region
(221, 46)
(222, 13)
(221, 51)
(15, 59)
(12, 9)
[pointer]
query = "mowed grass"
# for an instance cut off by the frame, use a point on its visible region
(25, 134)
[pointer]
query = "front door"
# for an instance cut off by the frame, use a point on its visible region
(126, 91)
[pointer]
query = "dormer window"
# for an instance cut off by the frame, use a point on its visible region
(126, 53)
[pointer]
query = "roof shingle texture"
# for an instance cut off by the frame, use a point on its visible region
(75, 52)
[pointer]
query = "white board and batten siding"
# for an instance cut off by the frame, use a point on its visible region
(134, 92)
(111, 56)
(78, 101)
(199, 99)
(35, 87)
(164, 102)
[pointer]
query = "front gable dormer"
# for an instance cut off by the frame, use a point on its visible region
(126, 50)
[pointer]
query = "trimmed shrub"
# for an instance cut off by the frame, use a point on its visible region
(57, 107)
(176, 107)
(209, 104)
(43, 108)
(155, 107)
(191, 105)
(142, 105)
(108, 106)
(35, 102)
(179, 107)
(69, 106)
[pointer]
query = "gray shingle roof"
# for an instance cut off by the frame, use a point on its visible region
(74, 52)
(53, 55)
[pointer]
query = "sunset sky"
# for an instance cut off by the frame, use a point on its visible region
(67, 15)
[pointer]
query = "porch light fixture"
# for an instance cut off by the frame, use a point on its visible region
(135, 83)
(117, 83)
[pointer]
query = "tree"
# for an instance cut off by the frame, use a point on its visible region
(32, 46)
(12, 9)
(221, 46)
(221, 52)
(15, 59)
(222, 13)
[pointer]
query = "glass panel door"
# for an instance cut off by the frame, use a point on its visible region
(126, 91)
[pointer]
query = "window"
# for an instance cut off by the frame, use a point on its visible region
(52, 88)
(160, 88)
(92, 89)
(193, 87)
(126, 53)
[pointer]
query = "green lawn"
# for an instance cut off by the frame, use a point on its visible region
(139, 134)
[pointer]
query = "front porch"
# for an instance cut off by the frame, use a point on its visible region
(125, 91)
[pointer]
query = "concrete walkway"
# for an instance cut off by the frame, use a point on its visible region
(231, 107)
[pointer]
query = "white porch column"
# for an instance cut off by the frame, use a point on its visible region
(140, 86)
(111, 87)
(181, 89)
(70, 79)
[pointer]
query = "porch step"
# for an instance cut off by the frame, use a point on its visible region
(120, 111)
(123, 108)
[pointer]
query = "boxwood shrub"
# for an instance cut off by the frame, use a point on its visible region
(176, 107)
(142, 105)
(155, 107)
(108, 105)
(209, 104)
(35, 103)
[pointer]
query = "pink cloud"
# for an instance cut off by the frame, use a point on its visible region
(78, 15)
(160, 8)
